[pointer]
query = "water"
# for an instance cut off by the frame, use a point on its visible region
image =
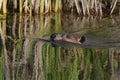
(26, 53)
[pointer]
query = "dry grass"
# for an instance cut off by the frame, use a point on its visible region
(81, 7)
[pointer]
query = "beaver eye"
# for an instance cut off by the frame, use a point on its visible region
(53, 36)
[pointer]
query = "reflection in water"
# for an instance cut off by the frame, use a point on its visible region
(27, 53)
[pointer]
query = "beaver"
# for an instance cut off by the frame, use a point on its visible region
(67, 38)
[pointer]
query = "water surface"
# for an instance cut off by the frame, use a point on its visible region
(26, 53)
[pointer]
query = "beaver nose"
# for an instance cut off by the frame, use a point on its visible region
(83, 38)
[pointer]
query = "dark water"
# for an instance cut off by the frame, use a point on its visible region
(26, 53)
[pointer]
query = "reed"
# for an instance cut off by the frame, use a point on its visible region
(81, 7)
(36, 6)
(42, 3)
(94, 7)
(20, 32)
(113, 6)
(20, 6)
(15, 4)
(78, 7)
(4, 6)
(58, 5)
(0, 4)
(31, 7)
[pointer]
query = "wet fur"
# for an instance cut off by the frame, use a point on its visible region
(67, 37)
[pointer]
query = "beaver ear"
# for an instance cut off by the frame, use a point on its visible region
(82, 39)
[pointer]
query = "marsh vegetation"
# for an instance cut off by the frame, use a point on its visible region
(27, 53)
(81, 7)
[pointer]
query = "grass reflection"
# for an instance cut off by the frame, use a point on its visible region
(30, 58)
(92, 64)
(1, 64)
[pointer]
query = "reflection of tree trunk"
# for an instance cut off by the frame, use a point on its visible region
(31, 25)
(36, 25)
(41, 24)
(14, 26)
(47, 22)
(112, 64)
(13, 63)
(25, 25)
(6, 64)
(20, 30)
(38, 63)
(26, 50)
(118, 65)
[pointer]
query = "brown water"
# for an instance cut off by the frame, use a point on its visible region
(26, 53)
